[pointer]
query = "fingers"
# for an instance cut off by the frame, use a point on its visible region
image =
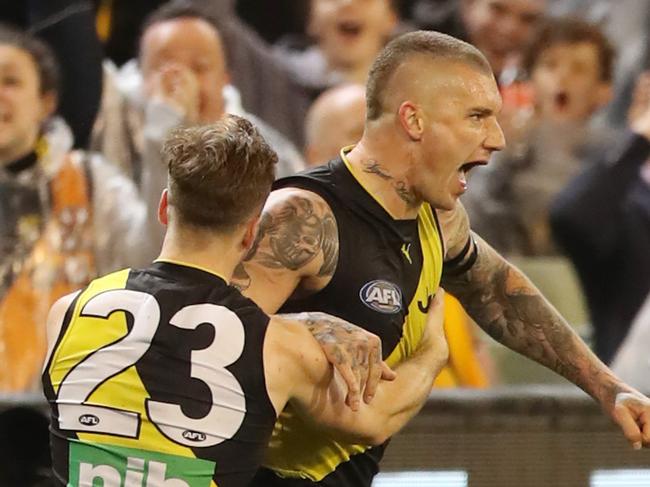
(439, 297)
(645, 427)
(438, 304)
(374, 374)
(435, 320)
(624, 418)
(353, 397)
(387, 373)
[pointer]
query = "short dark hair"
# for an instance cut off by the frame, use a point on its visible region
(435, 45)
(47, 66)
(219, 174)
(177, 9)
(569, 30)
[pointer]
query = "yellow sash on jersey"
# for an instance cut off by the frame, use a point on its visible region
(300, 450)
(125, 391)
(60, 262)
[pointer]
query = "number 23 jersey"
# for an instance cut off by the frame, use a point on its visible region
(157, 379)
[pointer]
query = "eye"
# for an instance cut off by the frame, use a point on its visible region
(476, 117)
(9, 80)
(498, 9)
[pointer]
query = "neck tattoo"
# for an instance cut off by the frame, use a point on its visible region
(403, 191)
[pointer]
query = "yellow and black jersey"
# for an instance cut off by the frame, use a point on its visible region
(387, 274)
(157, 379)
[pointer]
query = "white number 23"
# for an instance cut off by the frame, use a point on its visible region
(208, 365)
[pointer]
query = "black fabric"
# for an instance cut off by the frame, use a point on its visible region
(462, 263)
(602, 220)
(370, 243)
(364, 229)
(24, 448)
(358, 472)
(25, 162)
(68, 27)
(165, 368)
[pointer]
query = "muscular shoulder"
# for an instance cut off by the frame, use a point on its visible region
(296, 245)
(455, 229)
(302, 230)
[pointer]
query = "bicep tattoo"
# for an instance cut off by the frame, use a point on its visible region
(293, 234)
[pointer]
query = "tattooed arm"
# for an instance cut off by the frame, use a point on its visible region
(512, 311)
(296, 249)
(297, 370)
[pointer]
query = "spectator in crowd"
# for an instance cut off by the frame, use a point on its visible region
(335, 120)
(570, 63)
(348, 36)
(67, 26)
(627, 25)
(181, 78)
(263, 82)
(499, 28)
(64, 215)
(602, 220)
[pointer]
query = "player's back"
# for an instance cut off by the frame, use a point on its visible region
(157, 379)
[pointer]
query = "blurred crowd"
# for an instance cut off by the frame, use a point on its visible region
(89, 90)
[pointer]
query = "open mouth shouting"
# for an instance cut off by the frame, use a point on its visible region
(349, 29)
(561, 101)
(464, 170)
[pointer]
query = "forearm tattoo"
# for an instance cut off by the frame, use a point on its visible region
(400, 186)
(511, 310)
(337, 337)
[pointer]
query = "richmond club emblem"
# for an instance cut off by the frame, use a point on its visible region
(382, 296)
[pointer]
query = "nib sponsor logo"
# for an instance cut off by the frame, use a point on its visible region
(98, 464)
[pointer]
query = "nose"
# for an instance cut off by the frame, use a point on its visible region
(508, 25)
(495, 140)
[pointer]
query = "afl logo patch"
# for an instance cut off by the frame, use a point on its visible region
(89, 419)
(194, 435)
(382, 296)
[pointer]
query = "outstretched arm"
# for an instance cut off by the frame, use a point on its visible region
(512, 311)
(319, 394)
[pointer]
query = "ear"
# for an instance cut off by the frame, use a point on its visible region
(49, 102)
(163, 207)
(410, 120)
(250, 233)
